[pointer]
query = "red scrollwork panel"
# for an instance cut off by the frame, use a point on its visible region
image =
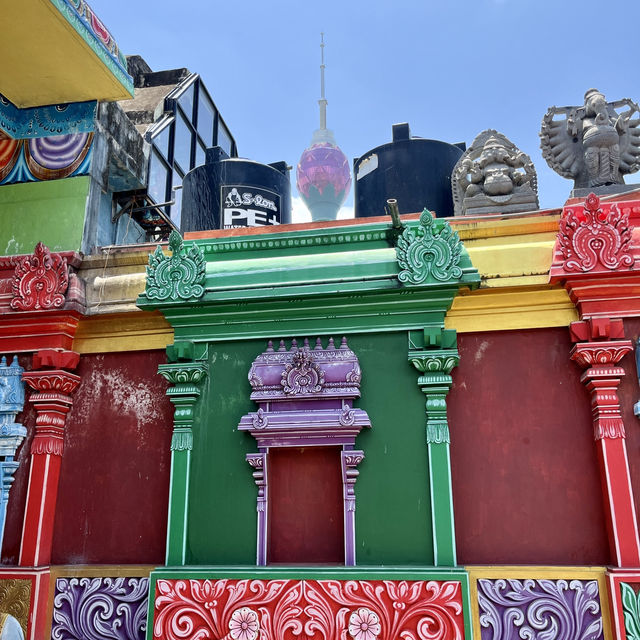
(595, 237)
(40, 281)
(308, 609)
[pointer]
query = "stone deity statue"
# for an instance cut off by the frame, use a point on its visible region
(595, 144)
(493, 176)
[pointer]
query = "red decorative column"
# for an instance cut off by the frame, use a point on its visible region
(600, 356)
(52, 387)
(597, 259)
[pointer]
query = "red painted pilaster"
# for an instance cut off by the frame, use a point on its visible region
(52, 387)
(600, 355)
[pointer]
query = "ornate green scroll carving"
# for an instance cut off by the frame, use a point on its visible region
(428, 253)
(176, 277)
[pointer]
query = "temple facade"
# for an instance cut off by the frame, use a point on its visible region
(389, 427)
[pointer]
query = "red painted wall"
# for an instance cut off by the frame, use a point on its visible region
(525, 476)
(305, 506)
(114, 482)
(629, 393)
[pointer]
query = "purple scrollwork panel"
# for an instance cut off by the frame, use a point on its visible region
(539, 609)
(100, 608)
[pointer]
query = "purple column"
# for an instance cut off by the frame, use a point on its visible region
(258, 462)
(350, 460)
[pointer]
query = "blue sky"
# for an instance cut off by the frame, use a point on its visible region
(449, 68)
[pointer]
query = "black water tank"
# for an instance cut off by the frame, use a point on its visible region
(414, 171)
(225, 193)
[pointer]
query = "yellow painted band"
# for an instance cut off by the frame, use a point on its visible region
(138, 331)
(502, 309)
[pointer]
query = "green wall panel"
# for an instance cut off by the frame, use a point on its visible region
(52, 212)
(393, 514)
(393, 521)
(222, 498)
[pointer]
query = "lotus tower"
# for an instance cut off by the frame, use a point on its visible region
(323, 174)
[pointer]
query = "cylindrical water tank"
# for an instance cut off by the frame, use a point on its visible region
(225, 193)
(414, 171)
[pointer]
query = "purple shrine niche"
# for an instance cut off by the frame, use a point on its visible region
(305, 399)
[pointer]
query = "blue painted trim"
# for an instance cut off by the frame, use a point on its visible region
(38, 122)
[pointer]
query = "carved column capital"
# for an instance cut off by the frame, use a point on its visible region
(600, 353)
(258, 462)
(442, 361)
(185, 378)
(350, 461)
(51, 398)
(435, 382)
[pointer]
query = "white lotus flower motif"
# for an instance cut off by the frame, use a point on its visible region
(364, 624)
(244, 624)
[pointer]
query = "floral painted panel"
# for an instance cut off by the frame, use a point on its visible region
(631, 610)
(100, 608)
(539, 609)
(305, 609)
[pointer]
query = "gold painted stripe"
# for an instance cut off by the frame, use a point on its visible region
(500, 226)
(138, 331)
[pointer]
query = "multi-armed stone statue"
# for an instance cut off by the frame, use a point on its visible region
(596, 144)
(493, 176)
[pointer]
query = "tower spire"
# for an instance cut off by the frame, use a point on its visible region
(323, 177)
(323, 101)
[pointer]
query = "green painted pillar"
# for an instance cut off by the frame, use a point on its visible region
(435, 366)
(185, 378)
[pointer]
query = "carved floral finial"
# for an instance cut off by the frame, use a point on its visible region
(302, 374)
(591, 237)
(429, 254)
(40, 281)
(178, 277)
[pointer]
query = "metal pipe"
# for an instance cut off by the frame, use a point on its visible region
(394, 212)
